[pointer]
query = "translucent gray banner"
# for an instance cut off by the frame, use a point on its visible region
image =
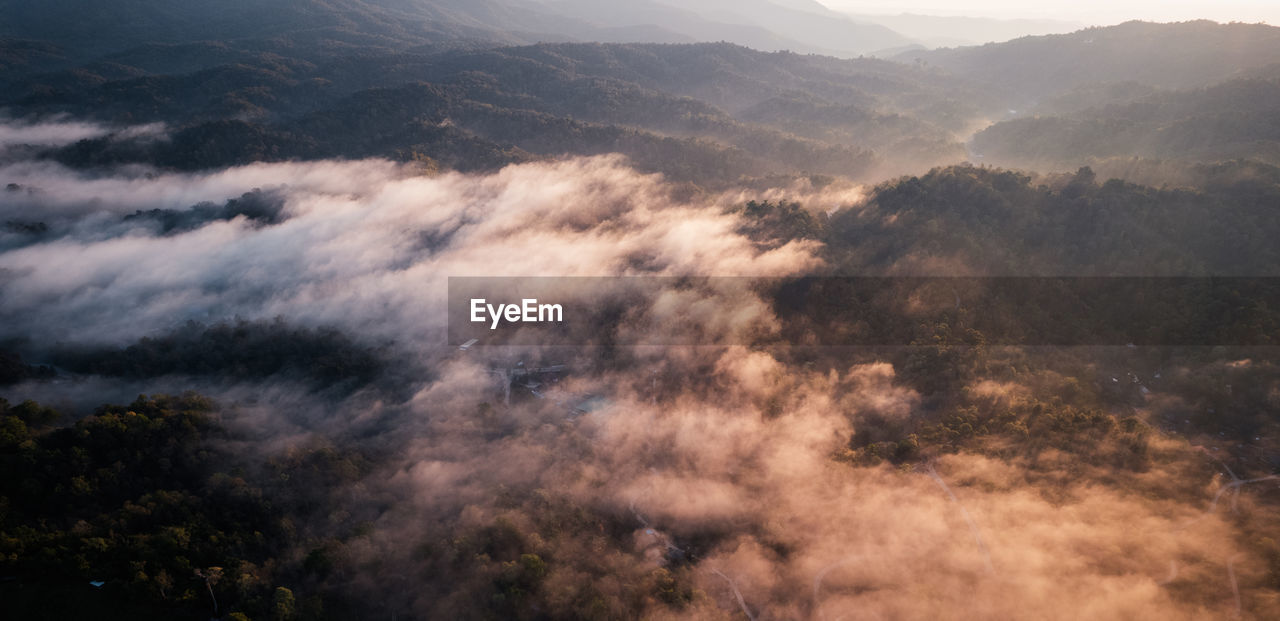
(864, 311)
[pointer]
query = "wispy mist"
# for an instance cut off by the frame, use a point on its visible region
(710, 483)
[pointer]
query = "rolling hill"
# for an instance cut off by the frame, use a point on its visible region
(1181, 55)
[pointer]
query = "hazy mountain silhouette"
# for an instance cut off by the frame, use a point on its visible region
(1181, 55)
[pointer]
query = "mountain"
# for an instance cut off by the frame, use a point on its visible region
(86, 29)
(712, 112)
(1002, 222)
(656, 22)
(811, 25)
(1181, 55)
(715, 112)
(953, 31)
(1235, 119)
(97, 27)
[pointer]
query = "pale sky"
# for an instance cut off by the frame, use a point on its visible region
(1094, 12)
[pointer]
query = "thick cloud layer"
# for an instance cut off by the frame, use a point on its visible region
(363, 245)
(716, 464)
(750, 487)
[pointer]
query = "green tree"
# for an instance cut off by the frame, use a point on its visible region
(283, 605)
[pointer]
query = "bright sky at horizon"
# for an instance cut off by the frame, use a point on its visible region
(1094, 12)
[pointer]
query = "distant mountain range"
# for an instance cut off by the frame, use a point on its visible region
(932, 31)
(796, 25)
(458, 83)
(1181, 55)
(1236, 119)
(93, 27)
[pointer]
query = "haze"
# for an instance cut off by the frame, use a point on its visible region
(1092, 12)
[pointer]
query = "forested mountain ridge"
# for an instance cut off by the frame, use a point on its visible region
(1177, 55)
(988, 221)
(732, 110)
(87, 28)
(1239, 118)
(806, 27)
(849, 111)
(333, 27)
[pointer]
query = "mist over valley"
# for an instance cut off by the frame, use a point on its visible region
(230, 388)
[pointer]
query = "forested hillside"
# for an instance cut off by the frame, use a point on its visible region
(1234, 119)
(706, 112)
(1182, 55)
(992, 221)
